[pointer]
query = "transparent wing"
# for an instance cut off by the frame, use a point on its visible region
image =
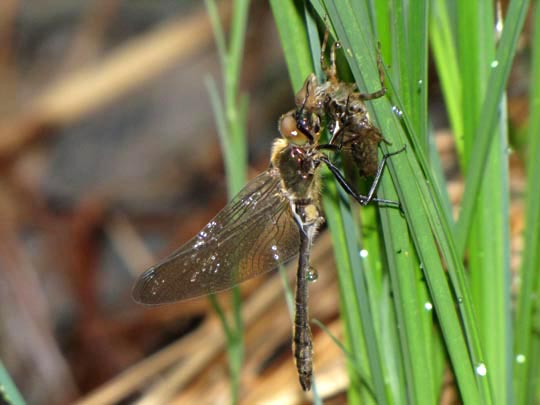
(253, 234)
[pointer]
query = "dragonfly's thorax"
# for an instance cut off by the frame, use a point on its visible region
(298, 168)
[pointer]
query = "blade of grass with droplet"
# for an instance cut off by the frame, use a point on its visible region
(488, 239)
(513, 24)
(406, 30)
(424, 220)
(413, 342)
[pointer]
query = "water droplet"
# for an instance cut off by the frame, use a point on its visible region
(420, 82)
(494, 64)
(520, 358)
(498, 24)
(481, 369)
(460, 300)
(276, 256)
(274, 248)
(363, 253)
(397, 111)
(154, 292)
(312, 274)
(428, 306)
(199, 243)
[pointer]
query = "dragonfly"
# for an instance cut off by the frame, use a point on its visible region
(275, 217)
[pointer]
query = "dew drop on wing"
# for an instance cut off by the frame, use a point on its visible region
(275, 253)
(312, 274)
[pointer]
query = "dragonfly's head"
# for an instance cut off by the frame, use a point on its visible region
(296, 130)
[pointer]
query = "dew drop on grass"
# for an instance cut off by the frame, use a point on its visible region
(481, 369)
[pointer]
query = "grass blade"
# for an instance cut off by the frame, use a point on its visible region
(429, 236)
(9, 394)
(527, 345)
(513, 24)
(230, 117)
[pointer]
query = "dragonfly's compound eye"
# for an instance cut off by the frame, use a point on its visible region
(289, 130)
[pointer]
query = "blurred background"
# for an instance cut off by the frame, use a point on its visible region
(109, 159)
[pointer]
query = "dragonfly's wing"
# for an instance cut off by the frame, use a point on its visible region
(253, 234)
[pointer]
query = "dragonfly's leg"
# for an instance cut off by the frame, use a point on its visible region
(349, 189)
(382, 91)
(329, 71)
(324, 66)
(378, 175)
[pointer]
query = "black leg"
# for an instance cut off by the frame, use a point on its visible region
(382, 91)
(380, 169)
(363, 199)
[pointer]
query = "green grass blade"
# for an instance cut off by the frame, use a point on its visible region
(527, 346)
(355, 306)
(444, 49)
(360, 373)
(497, 79)
(231, 114)
(488, 243)
(217, 28)
(288, 15)
(424, 213)
(9, 394)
